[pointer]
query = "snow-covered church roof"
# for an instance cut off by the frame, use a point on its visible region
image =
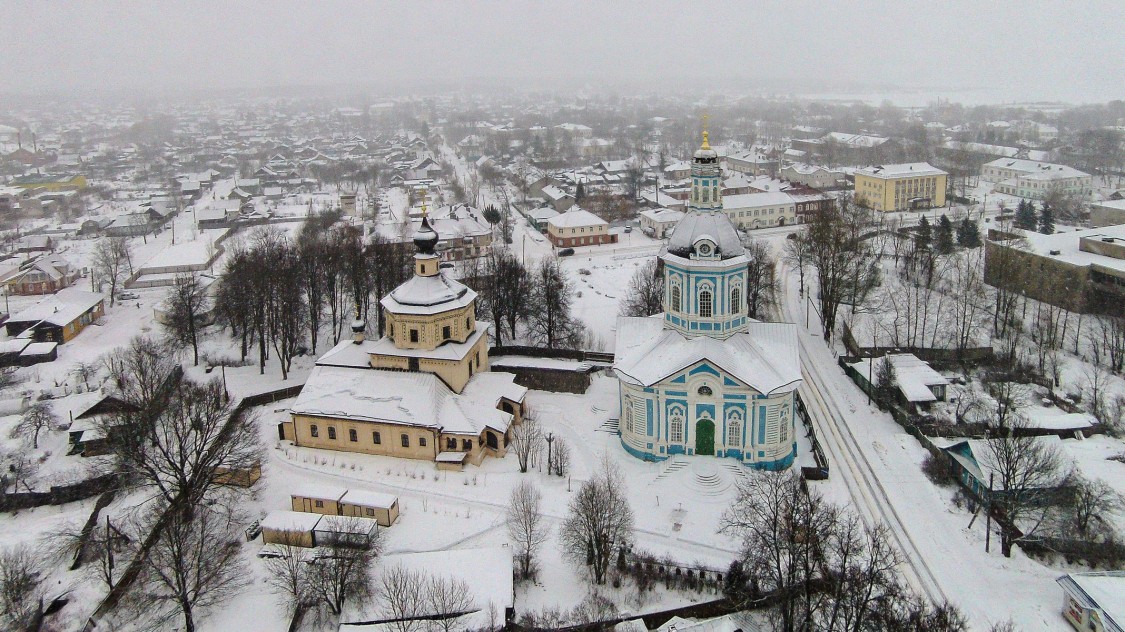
(427, 295)
(401, 397)
(697, 225)
(764, 358)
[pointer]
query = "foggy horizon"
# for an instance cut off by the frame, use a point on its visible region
(871, 50)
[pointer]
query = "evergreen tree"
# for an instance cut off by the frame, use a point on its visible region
(968, 234)
(491, 215)
(1046, 219)
(1025, 215)
(579, 192)
(945, 235)
(925, 235)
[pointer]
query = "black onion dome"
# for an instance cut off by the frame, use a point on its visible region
(425, 238)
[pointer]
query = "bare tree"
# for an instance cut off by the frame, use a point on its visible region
(86, 371)
(179, 450)
(845, 265)
(560, 459)
(526, 440)
(552, 324)
(645, 296)
(141, 373)
(796, 255)
(599, 523)
(762, 285)
(288, 574)
(1027, 470)
(188, 304)
(1091, 500)
(447, 599)
(526, 528)
(194, 564)
(112, 261)
(343, 573)
(404, 597)
(21, 597)
(38, 417)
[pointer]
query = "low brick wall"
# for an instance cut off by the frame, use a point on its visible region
(555, 380)
(60, 494)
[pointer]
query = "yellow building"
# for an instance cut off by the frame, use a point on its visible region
(904, 187)
(50, 183)
(424, 390)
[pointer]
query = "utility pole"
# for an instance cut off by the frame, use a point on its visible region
(108, 553)
(988, 513)
(550, 439)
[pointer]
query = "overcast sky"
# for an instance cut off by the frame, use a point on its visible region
(1017, 50)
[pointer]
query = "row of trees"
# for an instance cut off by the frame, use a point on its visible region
(828, 570)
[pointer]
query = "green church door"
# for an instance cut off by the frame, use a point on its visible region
(705, 437)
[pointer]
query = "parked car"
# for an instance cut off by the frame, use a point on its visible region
(127, 296)
(446, 265)
(566, 252)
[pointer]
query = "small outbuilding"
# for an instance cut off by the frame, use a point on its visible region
(293, 528)
(1094, 601)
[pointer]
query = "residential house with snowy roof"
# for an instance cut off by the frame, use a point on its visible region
(57, 318)
(45, 275)
(704, 378)
(422, 391)
(578, 227)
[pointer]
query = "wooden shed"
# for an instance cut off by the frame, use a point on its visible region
(319, 499)
(383, 508)
(290, 527)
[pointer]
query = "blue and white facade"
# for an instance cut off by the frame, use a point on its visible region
(703, 378)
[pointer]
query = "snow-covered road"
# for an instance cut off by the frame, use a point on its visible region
(879, 463)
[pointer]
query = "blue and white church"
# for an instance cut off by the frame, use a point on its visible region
(703, 378)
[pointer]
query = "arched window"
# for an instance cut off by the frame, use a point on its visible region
(704, 391)
(675, 299)
(734, 429)
(736, 300)
(676, 432)
(629, 415)
(705, 304)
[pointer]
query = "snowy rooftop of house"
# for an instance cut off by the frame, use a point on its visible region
(59, 309)
(15, 345)
(38, 349)
(764, 357)
(1066, 247)
(1104, 590)
(985, 460)
(903, 170)
(1037, 169)
(576, 217)
(1113, 204)
(736, 622)
(756, 200)
(913, 376)
(346, 524)
(284, 520)
(321, 492)
(663, 214)
(541, 214)
(367, 498)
